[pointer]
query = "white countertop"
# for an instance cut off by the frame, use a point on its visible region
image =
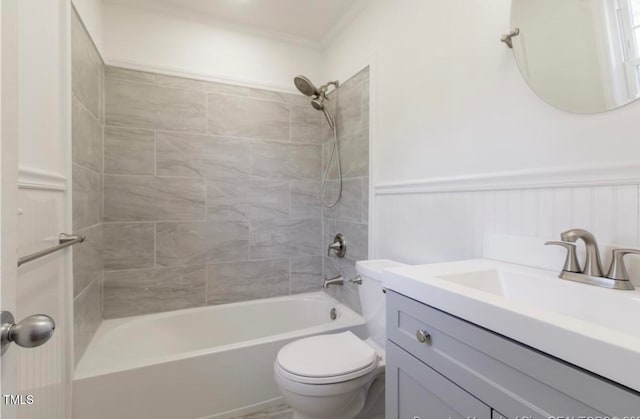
(595, 328)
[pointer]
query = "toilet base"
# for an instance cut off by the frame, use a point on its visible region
(349, 400)
(375, 407)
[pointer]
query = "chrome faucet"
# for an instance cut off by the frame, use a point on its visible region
(336, 280)
(617, 276)
(592, 263)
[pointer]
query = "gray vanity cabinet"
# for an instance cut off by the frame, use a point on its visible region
(439, 366)
(417, 391)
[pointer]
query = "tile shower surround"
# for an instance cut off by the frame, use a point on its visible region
(87, 114)
(209, 193)
(192, 193)
(351, 215)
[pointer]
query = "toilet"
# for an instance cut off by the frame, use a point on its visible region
(340, 376)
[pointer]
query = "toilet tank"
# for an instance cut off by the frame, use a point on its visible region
(371, 296)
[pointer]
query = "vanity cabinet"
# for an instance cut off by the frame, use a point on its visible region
(420, 389)
(439, 366)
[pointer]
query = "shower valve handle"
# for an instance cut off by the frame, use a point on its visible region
(339, 246)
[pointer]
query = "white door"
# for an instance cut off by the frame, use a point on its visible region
(8, 186)
(36, 202)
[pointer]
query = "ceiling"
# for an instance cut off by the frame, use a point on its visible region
(310, 20)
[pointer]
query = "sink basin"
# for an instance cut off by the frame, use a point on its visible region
(595, 328)
(615, 310)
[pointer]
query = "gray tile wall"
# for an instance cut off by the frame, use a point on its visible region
(350, 216)
(192, 193)
(209, 193)
(87, 156)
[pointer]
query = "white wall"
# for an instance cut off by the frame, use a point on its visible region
(453, 115)
(43, 145)
(450, 100)
(91, 12)
(143, 38)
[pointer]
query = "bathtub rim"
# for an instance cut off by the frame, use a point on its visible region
(347, 318)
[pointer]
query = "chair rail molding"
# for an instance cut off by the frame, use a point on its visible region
(595, 175)
(30, 178)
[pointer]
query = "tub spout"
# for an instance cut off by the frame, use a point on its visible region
(332, 281)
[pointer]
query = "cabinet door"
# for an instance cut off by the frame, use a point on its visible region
(415, 391)
(510, 377)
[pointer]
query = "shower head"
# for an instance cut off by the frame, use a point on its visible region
(306, 87)
(318, 95)
(318, 103)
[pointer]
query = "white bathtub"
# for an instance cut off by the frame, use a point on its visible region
(209, 362)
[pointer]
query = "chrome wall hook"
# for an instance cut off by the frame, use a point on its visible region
(506, 38)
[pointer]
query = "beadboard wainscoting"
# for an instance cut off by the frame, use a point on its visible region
(463, 218)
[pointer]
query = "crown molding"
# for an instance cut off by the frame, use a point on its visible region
(210, 20)
(180, 72)
(345, 20)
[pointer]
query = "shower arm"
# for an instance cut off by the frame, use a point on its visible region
(334, 83)
(323, 89)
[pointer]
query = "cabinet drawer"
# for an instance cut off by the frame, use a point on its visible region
(416, 391)
(508, 376)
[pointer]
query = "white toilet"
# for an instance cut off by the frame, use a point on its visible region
(340, 376)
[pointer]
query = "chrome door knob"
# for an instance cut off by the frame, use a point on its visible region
(31, 332)
(423, 336)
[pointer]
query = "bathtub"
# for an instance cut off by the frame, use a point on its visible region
(208, 362)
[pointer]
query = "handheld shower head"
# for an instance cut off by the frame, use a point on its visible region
(318, 97)
(306, 87)
(318, 103)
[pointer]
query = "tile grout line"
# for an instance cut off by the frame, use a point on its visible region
(103, 93)
(206, 285)
(86, 108)
(207, 92)
(155, 245)
(208, 134)
(638, 214)
(155, 154)
(289, 222)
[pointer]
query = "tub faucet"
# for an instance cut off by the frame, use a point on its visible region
(592, 263)
(336, 280)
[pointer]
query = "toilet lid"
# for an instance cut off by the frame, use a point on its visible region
(327, 356)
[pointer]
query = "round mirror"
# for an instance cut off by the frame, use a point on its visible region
(581, 56)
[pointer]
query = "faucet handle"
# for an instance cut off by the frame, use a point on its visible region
(339, 246)
(618, 270)
(571, 263)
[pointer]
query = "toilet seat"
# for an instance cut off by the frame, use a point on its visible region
(327, 359)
